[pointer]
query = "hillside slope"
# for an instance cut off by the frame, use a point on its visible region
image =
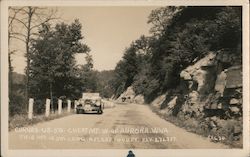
(208, 99)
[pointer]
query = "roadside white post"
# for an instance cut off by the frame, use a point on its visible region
(30, 112)
(75, 104)
(59, 106)
(69, 105)
(47, 110)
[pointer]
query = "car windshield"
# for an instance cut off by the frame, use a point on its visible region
(87, 101)
(91, 101)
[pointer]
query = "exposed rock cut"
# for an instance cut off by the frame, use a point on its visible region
(210, 95)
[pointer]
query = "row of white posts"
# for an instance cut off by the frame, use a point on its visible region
(47, 107)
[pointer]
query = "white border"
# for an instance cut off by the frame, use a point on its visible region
(122, 152)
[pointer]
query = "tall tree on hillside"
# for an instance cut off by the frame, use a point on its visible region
(133, 60)
(26, 22)
(130, 65)
(87, 80)
(105, 83)
(53, 66)
(160, 18)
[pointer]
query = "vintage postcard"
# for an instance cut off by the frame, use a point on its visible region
(124, 78)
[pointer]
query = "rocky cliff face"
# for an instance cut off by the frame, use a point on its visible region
(211, 90)
(208, 99)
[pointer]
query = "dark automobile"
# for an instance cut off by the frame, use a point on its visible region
(90, 105)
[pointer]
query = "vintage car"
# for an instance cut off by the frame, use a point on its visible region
(90, 103)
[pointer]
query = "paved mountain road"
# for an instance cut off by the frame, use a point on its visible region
(124, 126)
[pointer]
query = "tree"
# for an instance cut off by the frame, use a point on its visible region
(29, 19)
(52, 60)
(135, 58)
(160, 18)
(10, 52)
(15, 95)
(104, 83)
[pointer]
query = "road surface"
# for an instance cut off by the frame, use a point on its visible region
(126, 126)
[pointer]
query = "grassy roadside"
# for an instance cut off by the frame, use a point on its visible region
(22, 120)
(197, 128)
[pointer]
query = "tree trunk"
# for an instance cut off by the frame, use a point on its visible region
(30, 14)
(10, 76)
(10, 71)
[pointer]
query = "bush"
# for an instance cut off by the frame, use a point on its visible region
(17, 103)
(39, 106)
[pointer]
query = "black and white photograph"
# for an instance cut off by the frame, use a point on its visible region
(124, 79)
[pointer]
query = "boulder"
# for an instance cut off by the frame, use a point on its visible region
(200, 78)
(240, 101)
(234, 109)
(214, 106)
(196, 74)
(238, 90)
(208, 60)
(234, 77)
(219, 106)
(234, 101)
(139, 99)
(193, 97)
(172, 103)
(185, 75)
(220, 83)
(237, 129)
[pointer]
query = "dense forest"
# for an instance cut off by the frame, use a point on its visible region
(179, 37)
